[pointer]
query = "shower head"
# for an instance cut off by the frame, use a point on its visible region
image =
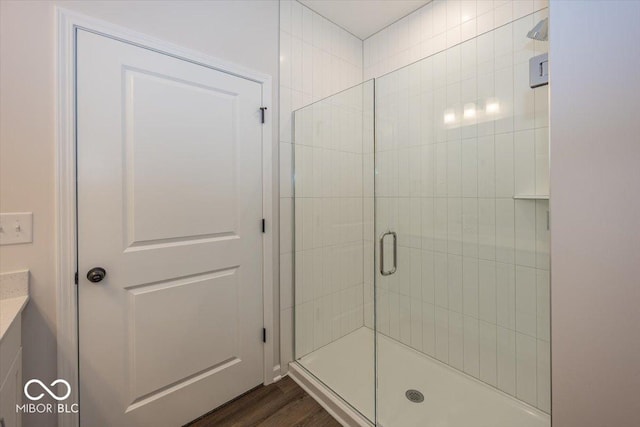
(540, 31)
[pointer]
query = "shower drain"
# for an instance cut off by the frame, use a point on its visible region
(414, 396)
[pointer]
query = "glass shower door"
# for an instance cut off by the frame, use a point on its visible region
(461, 208)
(333, 244)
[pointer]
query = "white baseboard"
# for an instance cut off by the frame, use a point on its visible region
(276, 373)
(330, 401)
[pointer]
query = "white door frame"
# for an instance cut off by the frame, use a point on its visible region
(67, 304)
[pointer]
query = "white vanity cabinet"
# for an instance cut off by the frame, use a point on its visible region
(11, 375)
(14, 295)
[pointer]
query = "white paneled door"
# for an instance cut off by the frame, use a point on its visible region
(170, 207)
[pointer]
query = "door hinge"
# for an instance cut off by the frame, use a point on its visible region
(264, 225)
(262, 110)
(264, 335)
(548, 223)
(75, 278)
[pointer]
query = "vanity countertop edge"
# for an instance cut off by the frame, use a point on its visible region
(14, 296)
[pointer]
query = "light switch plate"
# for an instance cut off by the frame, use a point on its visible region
(16, 228)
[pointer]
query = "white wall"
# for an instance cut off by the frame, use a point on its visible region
(244, 32)
(317, 59)
(595, 227)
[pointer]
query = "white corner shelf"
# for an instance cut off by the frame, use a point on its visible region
(531, 197)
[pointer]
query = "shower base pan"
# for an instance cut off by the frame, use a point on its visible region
(342, 372)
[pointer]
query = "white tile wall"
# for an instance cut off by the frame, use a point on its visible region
(318, 59)
(442, 24)
(446, 182)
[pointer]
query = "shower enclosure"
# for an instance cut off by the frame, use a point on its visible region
(421, 251)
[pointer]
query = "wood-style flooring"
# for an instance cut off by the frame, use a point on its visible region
(281, 404)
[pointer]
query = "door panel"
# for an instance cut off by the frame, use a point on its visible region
(164, 176)
(158, 363)
(169, 204)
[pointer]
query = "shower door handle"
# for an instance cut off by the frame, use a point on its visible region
(395, 253)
